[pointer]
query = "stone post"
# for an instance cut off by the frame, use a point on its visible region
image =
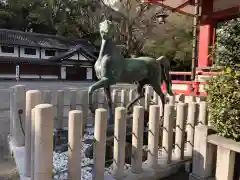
(46, 96)
(123, 98)
(203, 115)
(172, 100)
(60, 108)
(33, 98)
(148, 94)
(73, 100)
(132, 94)
(180, 130)
(119, 142)
(153, 135)
(167, 141)
(17, 111)
(32, 143)
(114, 98)
(191, 122)
(99, 144)
(43, 155)
(155, 97)
(83, 96)
(160, 105)
(95, 99)
(160, 122)
(101, 98)
(190, 99)
(181, 98)
(137, 139)
(225, 164)
(75, 123)
(203, 153)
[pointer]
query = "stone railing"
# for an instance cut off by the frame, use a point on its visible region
(170, 142)
(213, 155)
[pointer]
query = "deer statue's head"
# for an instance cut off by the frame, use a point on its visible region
(106, 29)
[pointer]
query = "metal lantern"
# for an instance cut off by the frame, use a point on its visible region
(161, 18)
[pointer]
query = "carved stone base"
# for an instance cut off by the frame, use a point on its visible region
(195, 177)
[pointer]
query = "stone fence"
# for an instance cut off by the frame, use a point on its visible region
(170, 144)
(213, 156)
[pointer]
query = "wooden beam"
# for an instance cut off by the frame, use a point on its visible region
(226, 14)
(156, 2)
(182, 5)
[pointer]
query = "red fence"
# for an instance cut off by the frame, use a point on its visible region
(193, 87)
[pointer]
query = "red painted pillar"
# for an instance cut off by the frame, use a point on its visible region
(206, 34)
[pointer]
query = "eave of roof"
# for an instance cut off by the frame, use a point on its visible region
(21, 60)
(15, 37)
(78, 48)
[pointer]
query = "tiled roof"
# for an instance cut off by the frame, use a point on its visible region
(22, 60)
(39, 40)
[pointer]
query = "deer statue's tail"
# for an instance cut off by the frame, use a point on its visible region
(164, 66)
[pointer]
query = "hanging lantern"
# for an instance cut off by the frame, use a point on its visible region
(161, 18)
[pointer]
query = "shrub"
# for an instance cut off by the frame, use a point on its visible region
(224, 90)
(223, 101)
(228, 43)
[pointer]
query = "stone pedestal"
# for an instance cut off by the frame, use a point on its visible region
(225, 164)
(137, 139)
(99, 144)
(119, 142)
(203, 154)
(43, 155)
(17, 115)
(60, 108)
(153, 136)
(74, 149)
(33, 98)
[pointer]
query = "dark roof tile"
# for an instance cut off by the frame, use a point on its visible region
(41, 40)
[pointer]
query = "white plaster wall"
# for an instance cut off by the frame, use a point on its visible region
(63, 72)
(74, 57)
(15, 54)
(22, 54)
(43, 56)
(82, 58)
(219, 5)
(89, 73)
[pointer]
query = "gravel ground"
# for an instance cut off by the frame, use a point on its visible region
(8, 170)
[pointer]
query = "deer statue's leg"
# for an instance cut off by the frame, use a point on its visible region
(100, 84)
(139, 96)
(168, 81)
(158, 90)
(110, 105)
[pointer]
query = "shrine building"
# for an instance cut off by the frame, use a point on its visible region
(30, 53)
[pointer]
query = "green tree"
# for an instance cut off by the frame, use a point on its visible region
(136, 22)
(67, 18)
(228, 43)
(173, 40)
(224, 90)
(14, 14)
